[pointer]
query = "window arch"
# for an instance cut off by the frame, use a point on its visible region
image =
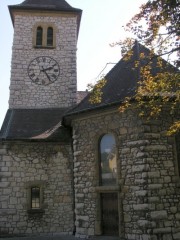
(108, 160)
(39, 36)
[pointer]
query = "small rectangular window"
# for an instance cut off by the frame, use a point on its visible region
(35, 197)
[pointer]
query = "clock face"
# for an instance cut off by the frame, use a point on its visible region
(43, 70)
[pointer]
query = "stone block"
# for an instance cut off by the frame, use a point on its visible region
(141, 207)
(4, 184)
(173, 209)
(140, 168)
(4, 169)
(144, 223)
(6, 158)
(13, 200)
(138, 143)
(127, 218)
(90, 231)
(3, 151)
(159, 214)
(162, 230)
(5, 174)
(155, 186)
(84, 218)
(168, 163)
(154, 174)
(156, 148)
(146, 237)
(167, 237)
(177, 216)
(153, 199)
(141, 193)
(167, 179)
(142, 155)
(80, 205)
(176, 236)
(5, 212)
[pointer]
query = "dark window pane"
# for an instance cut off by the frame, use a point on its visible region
(50, 36)
(39, 36)
(108, 160)
(35, 197)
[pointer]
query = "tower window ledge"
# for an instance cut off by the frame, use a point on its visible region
(107, 188)
(44, 47)
(36, 211)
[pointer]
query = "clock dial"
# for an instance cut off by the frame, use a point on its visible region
(43, 70)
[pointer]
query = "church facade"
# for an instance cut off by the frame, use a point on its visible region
(80, 168)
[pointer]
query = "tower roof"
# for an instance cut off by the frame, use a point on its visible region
(45, 5)
(54, 5)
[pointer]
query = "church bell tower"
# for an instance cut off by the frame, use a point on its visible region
(43, 68)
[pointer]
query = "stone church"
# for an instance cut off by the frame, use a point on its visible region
(71, 167)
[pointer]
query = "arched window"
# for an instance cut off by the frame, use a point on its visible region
(39, 36)
(108, 160)
(50, 36)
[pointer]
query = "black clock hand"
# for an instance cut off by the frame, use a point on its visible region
(47, 75)
(49, 68)
(46, 69)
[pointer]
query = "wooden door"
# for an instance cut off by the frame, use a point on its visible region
(110, 216)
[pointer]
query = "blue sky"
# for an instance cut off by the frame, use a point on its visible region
(101, 25)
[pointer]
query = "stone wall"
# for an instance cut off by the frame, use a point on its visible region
(62, 93)
(147, 175)
(26, 164)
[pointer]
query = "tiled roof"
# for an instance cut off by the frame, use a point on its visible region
(122, 81)
(34, 124)
(60, 5)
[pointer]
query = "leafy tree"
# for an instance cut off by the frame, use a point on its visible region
(156, 26)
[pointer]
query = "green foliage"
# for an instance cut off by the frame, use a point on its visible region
(96, 91)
